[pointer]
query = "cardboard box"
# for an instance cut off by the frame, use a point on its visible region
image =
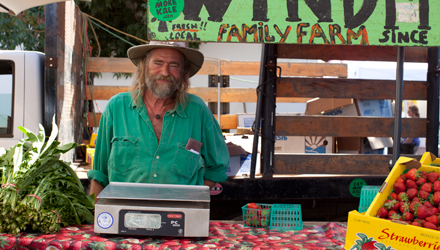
(240, 165)
(391, 234)
(304, 144)
(380, 108)
(376, 233)
(294, 144)
(321, 105)
(240, 159)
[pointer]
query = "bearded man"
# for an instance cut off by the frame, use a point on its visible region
(159, 133)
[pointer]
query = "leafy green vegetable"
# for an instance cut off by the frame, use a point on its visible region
(38, 190)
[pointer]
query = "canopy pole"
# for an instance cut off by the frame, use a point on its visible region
(398, 104)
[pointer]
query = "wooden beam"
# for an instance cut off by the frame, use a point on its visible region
(210, 67)
(346, 126)
(227, 121)
(349, 88)
(208, 94)
(293, 164)
(351, 52)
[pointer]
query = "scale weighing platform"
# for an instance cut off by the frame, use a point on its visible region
(153, 209)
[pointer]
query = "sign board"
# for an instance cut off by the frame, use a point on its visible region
(346, 22)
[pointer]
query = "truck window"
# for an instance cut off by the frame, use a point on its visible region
(6, 97)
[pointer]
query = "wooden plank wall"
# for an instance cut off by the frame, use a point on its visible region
(338, 126)
(210, 94)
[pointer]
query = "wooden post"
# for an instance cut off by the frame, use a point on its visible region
(214, 81)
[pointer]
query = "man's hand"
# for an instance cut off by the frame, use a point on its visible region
(96, 188)
(209, 183)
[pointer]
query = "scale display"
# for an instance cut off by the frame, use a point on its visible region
(138, 220)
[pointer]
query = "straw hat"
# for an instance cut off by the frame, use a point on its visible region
(195, 57)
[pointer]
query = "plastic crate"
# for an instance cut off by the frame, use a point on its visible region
(286, 217)
(367, 196)
(256, 217)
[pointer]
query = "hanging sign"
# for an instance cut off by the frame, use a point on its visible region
(346, 22)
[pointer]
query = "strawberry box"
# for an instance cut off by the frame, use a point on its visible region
(256, 214)
(366, 231)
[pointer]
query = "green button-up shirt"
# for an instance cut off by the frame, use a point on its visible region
(127, 149)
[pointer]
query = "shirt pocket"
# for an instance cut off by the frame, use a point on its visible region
(185, 163)
(124, 155)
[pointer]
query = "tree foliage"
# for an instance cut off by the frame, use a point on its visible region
(26, 30)
(129, 16)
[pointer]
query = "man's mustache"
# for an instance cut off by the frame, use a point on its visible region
(162, 77)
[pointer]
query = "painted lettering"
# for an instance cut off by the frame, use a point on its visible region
(335, 30)
(281, 34)
(354, 15)
(245, 30)
(415, 36)
(189, 36)
(317, 32)
(362, 32)
(222, 31)
(300, 33)
(234, 32)
(267, 37)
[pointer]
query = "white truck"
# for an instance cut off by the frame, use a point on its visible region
(21, 94)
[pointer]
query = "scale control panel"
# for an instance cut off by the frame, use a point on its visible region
(138, 222)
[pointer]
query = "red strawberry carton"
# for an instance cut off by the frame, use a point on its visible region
(367, 231)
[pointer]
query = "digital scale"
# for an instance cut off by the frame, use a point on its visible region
(153, 209)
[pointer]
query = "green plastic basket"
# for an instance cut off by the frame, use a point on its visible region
(286, 217)
(367, 196)
(256, 217)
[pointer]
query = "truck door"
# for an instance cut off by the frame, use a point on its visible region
(21, 76)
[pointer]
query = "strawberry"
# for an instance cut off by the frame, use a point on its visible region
(423, 195)
(402, 196)
(430, 225)
(407, 216)
(416, 199)
(433, 219)
(403, 177)
(382, 213)
(428, 204)
(399, 187)
(7, 242)
(432, 176)
(411, 184)
(393, 196)
(427, 187)
(420, 181)
(422, 212)
(423, 174)
(433, 210)
(436, 198)
(415, 223)
(392, 204)
(396, 216)
(436, 186)
(252, 205)
(412, 192)
(404, 207)
(413, 174)
(391, 213)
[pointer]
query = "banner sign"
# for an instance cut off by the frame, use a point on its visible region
(347, 22)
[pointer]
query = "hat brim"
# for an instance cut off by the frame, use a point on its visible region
(195, 57)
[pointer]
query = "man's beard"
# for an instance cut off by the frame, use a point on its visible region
(162, 90)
